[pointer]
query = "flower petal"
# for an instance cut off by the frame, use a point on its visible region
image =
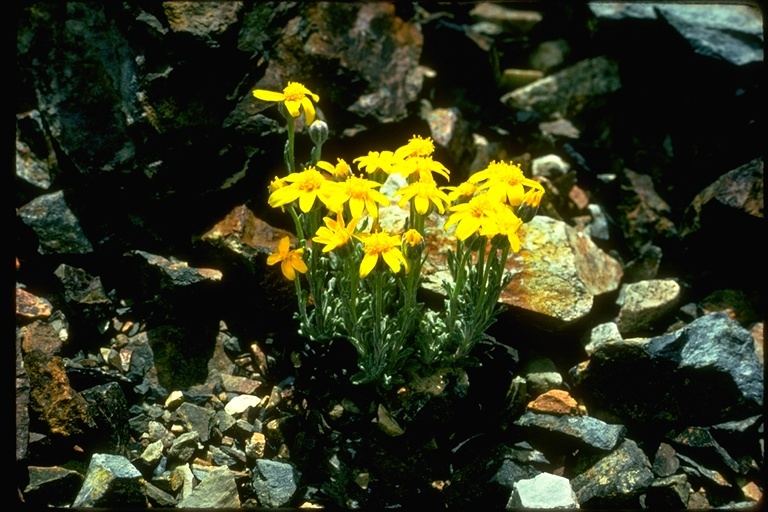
(368, 263)
(293, 107)
(309, 109)
(263, 95)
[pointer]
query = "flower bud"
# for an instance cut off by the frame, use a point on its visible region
(318, 132)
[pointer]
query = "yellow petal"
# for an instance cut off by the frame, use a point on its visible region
(288, 270)
(369, 261)
(390, 257)
(309, 109)
(293, 107)
(306, 201)
(261, 94)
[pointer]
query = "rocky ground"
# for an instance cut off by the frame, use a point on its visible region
(158, 363)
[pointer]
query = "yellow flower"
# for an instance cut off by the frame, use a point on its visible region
(416, 147)
(506, 224)
(374, 161)
(335, 233)
(530, 205)
(422, 166)
(466, 190)
(291, 261)
(359, 193)
(422, 192)
(412, 237)
(339, 171)
(294, 96)
(478, 213)
(381, 244)
(504, 181)
(305, 186)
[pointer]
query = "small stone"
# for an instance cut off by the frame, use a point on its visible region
(241, 403)
(387, 423)
(543, 491)
(554, 401)
(175, 399)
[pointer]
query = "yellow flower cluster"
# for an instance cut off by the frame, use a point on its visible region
(485, 204)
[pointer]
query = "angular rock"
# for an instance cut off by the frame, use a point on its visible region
(545, 490)
(31, 306)
(557, 273)
(57, 227)
(574, 430)
(51, 486)
(645, 303)
(712, 357)
(568, 91)
(217, 490)
(555, 401)
(616, 480)
(206, 21)
(111, 481)
(184, 447)
(275, 483)
(108, 408)
(196, 419)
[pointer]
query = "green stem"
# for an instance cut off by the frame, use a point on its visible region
(289, 157)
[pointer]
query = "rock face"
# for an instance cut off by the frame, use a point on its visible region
(158, 362)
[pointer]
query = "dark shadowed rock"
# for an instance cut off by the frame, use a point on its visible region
(56, 226)
(712, 357)
(54, 486)
(574, 430)
(36, 161)
(108, 408)
(568, 91)
(616, 480)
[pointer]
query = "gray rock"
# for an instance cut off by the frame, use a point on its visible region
(577, 430)
(111, 481)
(275, 483)
(217, 490)
(543, 491)
(184, 446)
(57, 227)
(568, 91)
(197, 419)
(712, 357)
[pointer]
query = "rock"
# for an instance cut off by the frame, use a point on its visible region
(30, 306)
(555, 401)
(644, 304)
(275, 483)
(513, 21)
(36, 161)
(713, 356)
(196, 419)
(545, 490)
(207, 23)
(241, 403)
(557, 273)
(573, 430)
(56, 226)
(111, 481)
(588, 80)
(217, 490)
(671, 492)
(549, 166)
(150, 458)
(603, 333)
(54, 486)
(108, 409)
(646, 214)
(616, 480)
(184, 447)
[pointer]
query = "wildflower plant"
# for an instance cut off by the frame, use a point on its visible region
(355, 280)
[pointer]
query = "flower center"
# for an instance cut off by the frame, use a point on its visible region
(378, 243)
(294, 91)
(310, 180)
